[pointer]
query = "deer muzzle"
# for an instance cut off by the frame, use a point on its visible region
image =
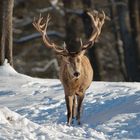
(76, 74)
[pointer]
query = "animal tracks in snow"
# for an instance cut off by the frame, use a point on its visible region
(110, 110)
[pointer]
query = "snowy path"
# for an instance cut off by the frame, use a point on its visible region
(34, 109)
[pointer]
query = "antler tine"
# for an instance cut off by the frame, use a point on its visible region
(101, 22)
(42, 28)
(65, 48)
(40, 19)
(34, 23)
(97, 23)
(94, 18)
(47, 22)
(103, 18)
(81, 42)
(37, 24)
(48, 18)
(103, 15)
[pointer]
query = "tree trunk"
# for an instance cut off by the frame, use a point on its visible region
(118, 46)
(93, 55)
(2, 53)
(71, 26)
(8, 16)
(128, 44)
(134, 13)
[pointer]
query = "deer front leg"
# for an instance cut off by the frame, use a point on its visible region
(74, 108)
(79, 108)
(69, 104)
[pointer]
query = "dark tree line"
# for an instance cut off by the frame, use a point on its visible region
(125, 18)
(128, 37)
(115, 57)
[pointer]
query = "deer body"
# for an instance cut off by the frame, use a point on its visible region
(76, 73)
(75, 86)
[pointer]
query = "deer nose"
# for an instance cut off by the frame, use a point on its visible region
(76, 74)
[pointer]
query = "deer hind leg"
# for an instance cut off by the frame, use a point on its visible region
(69, 104)
(79, 107)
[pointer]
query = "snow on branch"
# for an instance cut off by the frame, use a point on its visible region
(38, 35)
(46, 67)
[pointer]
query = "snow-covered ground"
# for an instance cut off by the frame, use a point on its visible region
(34, 109)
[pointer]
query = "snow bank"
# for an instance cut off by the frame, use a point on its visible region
(7, 70)
(34, 109)
(14, 126)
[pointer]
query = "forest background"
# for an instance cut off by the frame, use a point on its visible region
(115, 57)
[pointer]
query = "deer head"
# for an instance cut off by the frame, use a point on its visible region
(72, 59)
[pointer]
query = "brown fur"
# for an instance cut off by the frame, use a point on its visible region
(75, 87)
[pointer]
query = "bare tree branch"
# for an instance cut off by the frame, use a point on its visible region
(38, 35)
(46, 67)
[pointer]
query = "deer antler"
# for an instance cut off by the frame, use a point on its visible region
(97, 20)
(97, 23)
(42, 28)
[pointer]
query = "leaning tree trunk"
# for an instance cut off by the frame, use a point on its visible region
(128, 44)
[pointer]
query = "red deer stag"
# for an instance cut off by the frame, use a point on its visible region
(76, 73)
